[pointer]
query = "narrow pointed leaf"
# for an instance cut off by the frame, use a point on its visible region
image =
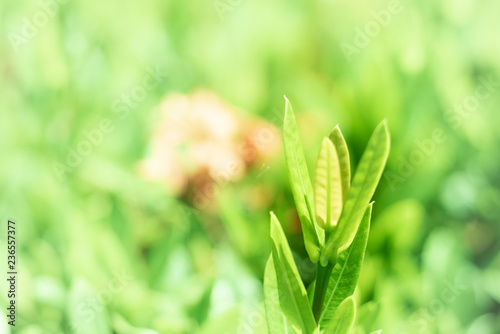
(291, 291)
(363, 186)
(300, 183)
(327, 186)
(276, 320)
(343, 155)
(345, 274)
(343, 318)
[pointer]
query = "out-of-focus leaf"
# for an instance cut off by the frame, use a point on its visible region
(291, 291)
(276, 320)
(4, 326)
(301, 184)
(398, 226)
(344, 162)
(365, 181)
(346, 272)
(237, 228)
(343, 318)
(87, 315)
(225, 323)
(121, 325)
(366, 316)
(200, 311)
(327, 186)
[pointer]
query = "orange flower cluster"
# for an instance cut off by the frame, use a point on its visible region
(201, 143)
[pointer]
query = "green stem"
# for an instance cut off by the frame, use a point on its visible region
(322, 278)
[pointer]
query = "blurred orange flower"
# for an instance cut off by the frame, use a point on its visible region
(201, 143)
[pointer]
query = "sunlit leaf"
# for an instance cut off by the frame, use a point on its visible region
(344, 162)
(276, 320)
(327, 186)
(291, 291)
(365, 181)
(301, 184)
(345, 274)
(343, 318)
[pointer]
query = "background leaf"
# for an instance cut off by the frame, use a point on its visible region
(300, 183)
(363, 187)
(225, 323)
(327, 186)
(366, 317)
(85, 314)
(346, 272)
(291, 291)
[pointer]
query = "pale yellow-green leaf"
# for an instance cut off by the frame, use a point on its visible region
(363, 187)
(327, 186)
(344, 162)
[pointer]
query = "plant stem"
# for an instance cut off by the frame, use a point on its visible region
(322, 278)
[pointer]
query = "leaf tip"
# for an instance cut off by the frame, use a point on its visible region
(288, 108)
(287, 102)
(273, 218)
(385, 125)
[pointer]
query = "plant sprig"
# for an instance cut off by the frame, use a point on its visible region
(335, 217)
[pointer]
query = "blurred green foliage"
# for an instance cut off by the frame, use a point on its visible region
(100, 250)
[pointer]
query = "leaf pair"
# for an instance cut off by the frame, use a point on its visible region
(364, 183)
(288, 309)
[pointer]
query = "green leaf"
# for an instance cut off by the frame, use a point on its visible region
(327, 186)
(343, 155)
(310, 291)
(301, 184)
(345, 274)
(363, 187)
(343, 318)
(227, 322)
(276, 320)
(291, 291)
(85, 319)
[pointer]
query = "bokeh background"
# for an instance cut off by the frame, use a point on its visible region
(141, 155)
